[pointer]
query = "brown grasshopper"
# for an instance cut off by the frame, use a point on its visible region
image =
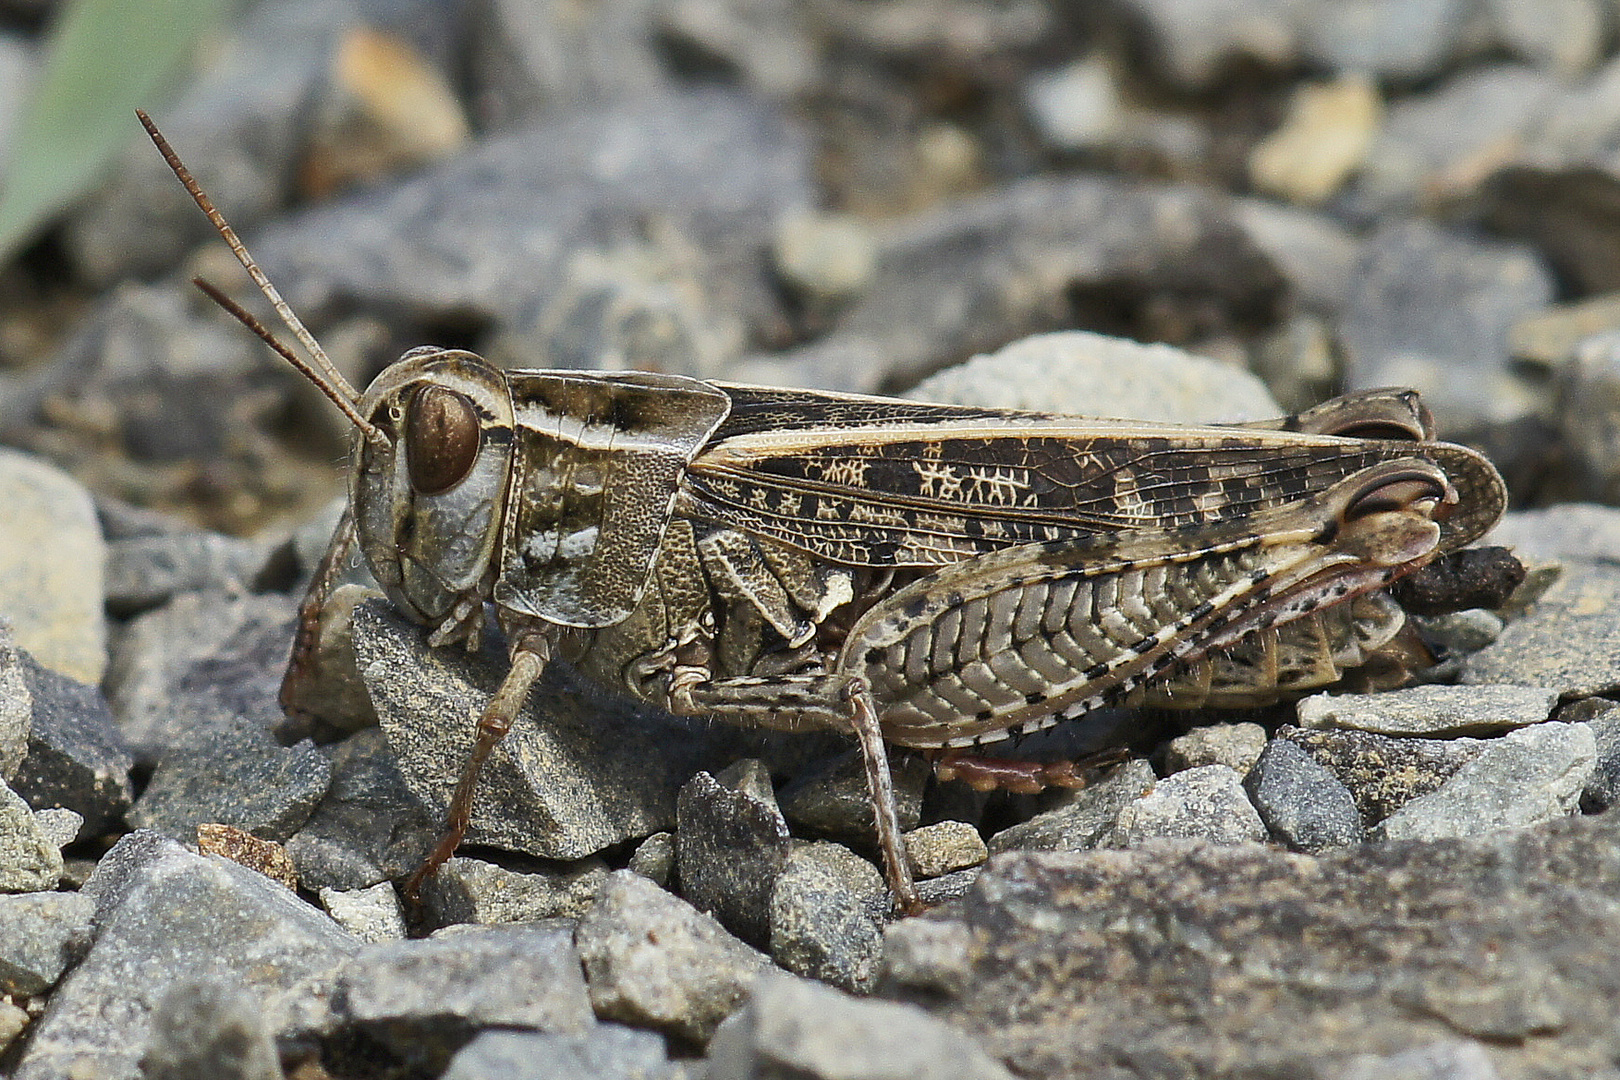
(936, 577)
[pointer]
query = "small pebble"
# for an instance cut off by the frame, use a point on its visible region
(938, 849)
(1236, 746)
(1206, 803)
(372, 915)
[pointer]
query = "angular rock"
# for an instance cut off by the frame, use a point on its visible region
(1206, 803)
(53, 604)
(654, 858)
(1603, 717)
(41, 934)
(730, 847)
(1302, 803)
(1237, 746)
(424, 1000)
(144, 572)
(59, 826)
(1526, 777)
(1566, 642)
(652, 960)
(1086, 820)
(16, 705)
(928, 956)
(243, 848)
(832, 800)
(13, 1022)
(576, 773)
(373, 915)
(1384, 773)
(253, 784)
(849, 1039)
(602, 1052)
(29, 861)
(1081, 955)
(473, 891)
(210, 1028)
(368, 827)
(163, 916)
(943, 847)
(1431, 711)
(819, 926)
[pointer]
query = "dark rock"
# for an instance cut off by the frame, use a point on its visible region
(368, 827)
(76, 757)
(473, 891)
(654, 859)
(1526, 777)
(1316, 254)
(29, 861)
(850, 1038)
(832, 800)
(423, 1000)
(730, 847)
(652, 960)
(1568, 641)
(1384, 773)
(41, 934)
(144, 572)
(819, 927)
(1603, 717)
(1086, 820)
(165, 916)
(210, 1028)
(576, 773)
(1431, 711)
(1206, 803)
(1086, 956)
(603, 1052)
(1302, 803)
(256, 785)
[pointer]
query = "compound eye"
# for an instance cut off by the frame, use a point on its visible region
(441, 439)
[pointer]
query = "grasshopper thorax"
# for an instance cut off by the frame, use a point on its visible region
(428, 496)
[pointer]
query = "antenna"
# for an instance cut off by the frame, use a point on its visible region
(322, 372)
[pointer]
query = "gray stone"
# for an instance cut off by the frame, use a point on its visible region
(256, 785)
(1302, 803)
(772, 45)
(473, 891)
(1384, 773)
(1194, 43)
(16, 706)
(163, 916)
(1076, 106)
(1580, 532)
(944, 847)
(1077, 955)
(826, 258)
(1086, 820)
(1396, 41)
(59, 825)
(144, 572)
(1461, 632)
(730, 847)
(849, 1039)
(1603, 717)
(832, 801)
(54, 603)
(603, 1052)
(368, 827)
(1589, 396)
(1431, 310)
(654, 858)
(13, 1022)
(928, 956)
(576, 774)
(1206, 803)
(1447, 1059)
(1527, 776)
(424, 999)
(1431, 710)
(1564, 36)
(1237, 746)
(207, 1029)
(819, 924)
(373, 915)
(29, 861)
(1094, 375)
(1316, 254)
(1568, 641)
(76, 757)
(41, 934)
(653, 960)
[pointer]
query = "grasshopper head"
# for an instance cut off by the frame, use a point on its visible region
(428, 490)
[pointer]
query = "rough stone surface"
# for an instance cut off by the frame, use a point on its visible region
(1431, 710)
(473, 891)
(654, 858)
(940, 848)
(652, 960)
(792, 1027)
(730, 847)
(210, 1028)
(29, 861)
(1382, 772)
(373, 915)
(1527, 776)
(1302, 803)
(1579, 532)
(425, 999)
(1569, 641)
(602, 1052)
(262, 788)
(144, 572)
(164, 915)
(53, 605)
(819, 923)
(832, 800)
(1087, 820)
(1237, 746)
(1080, 955)
(576, 773)
(1206, 803)
(1603, 718)
(16, 705)
(40, 935)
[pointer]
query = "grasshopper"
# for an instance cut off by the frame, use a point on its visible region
(929, 576)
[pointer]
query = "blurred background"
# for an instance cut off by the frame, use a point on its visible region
(1330, 194)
